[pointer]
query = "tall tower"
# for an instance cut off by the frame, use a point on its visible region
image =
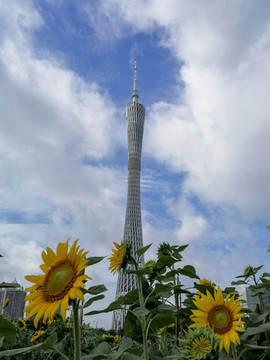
(135, 114)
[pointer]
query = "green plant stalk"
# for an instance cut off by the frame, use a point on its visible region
(259, 295)
(76, 330)
(234, 352)
(177, 322)
(143, 320)
(261, 304)
(142, 304)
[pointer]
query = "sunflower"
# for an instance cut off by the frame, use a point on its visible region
(64, 276)
(120, 256)
(199, 343)
(205, 282)
(221, 315)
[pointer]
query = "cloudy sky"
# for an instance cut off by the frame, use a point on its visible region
(66, 73)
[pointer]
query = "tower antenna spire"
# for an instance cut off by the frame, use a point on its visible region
(135, 91)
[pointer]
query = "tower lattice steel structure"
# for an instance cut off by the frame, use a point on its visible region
(135, 114)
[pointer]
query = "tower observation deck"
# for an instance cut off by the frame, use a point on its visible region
(135, 114)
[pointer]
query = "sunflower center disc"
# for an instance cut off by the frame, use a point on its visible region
(200, 347)
(59, 280)
(220, 319)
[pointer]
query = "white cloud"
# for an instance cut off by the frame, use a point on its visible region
(217, 131)
(219, 128)
(54, 126)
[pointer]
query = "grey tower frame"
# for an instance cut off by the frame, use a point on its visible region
(135, 115)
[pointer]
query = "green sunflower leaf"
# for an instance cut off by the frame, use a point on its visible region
(47, 344)
(130, 298)
(160, 320)
(95, 290)
(164, 290)
(140, 311)
(189, 271)
(251, 346)
(94, 260)
(115, 305)
(142, 250)
(8, 331)
(131, 357)
(90, 301)
(102, 351)
(125, 344)
(239, 282)
(257, 330)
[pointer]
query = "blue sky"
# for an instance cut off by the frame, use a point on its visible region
(66, 72)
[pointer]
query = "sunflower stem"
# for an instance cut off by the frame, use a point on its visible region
(143, 319)
(76, 330)
(234, 352)
(144, 330)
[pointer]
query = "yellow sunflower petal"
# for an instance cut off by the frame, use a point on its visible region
(72, 294)
(72, 250)
(79, 294)
(32, 288)
(51, 254)
(39, 314)
(78, 283)
(34, 278)
(221, 344)
(61, 250)
(219, 297)
(47, 313)
(82, 266)
(226, 340)
(234, 337)
(47, 260)
(32, 296)
(44, 268)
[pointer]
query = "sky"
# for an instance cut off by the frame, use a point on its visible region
(203, 70)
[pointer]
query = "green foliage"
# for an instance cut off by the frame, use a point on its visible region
(7, 332)
(157, 322)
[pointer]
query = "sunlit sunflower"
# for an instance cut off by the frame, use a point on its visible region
(120, 256)
(64, 276)
(205, 282)
(221, 315)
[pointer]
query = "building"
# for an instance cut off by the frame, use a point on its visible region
(16, 303)
(135, 114)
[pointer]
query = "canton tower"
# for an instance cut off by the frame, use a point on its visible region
(135, 114)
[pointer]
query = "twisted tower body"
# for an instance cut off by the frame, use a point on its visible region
(135, 114)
